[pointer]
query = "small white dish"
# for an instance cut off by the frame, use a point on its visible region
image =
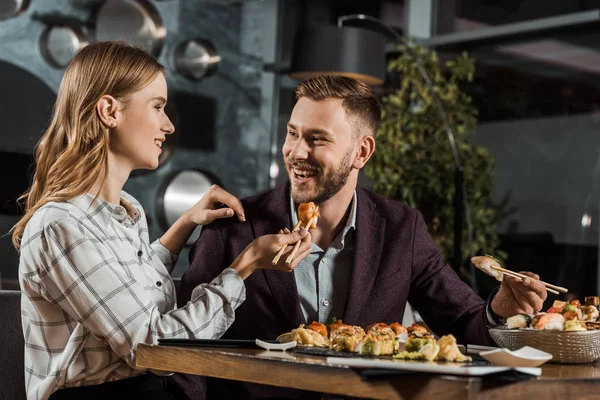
(276, 346)
(475, 349)
(524, 357)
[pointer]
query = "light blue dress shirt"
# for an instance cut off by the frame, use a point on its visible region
(323, 277)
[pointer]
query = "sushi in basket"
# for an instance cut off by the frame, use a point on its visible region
(568, 331)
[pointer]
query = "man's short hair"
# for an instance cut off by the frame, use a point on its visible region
(358, 100)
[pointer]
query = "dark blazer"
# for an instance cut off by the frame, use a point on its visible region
(395, 261)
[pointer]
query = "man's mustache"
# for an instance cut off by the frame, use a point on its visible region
(306, 166)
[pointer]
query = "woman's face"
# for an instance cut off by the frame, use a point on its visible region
(142, 126)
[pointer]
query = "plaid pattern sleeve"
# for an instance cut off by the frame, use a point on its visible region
(93, 291)
(167, 258)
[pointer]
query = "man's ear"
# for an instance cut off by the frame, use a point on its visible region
(107, 108)
(365, 150)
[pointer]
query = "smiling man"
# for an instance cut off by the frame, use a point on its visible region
(370, 255)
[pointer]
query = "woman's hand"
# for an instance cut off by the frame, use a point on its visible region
(205, 211)
(260, 253)
(210, 207)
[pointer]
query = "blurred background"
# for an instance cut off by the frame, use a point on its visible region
(230, 69)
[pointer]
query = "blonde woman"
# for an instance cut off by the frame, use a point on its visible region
(93, 286)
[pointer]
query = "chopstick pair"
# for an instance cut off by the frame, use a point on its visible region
(296, 246)
(549, 287)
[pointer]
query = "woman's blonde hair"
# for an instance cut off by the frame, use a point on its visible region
(72, 154)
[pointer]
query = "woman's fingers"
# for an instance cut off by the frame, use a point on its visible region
(217, 196)
(299, 257)
(211, 215)
(290, 237)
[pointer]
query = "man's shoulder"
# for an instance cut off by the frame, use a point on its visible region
(255, 200)
(252, 212)
(391, 210)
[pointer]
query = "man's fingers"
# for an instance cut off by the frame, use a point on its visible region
(528, 300)
(534, 299)
(509, 283)
(531, 274)
(533, 284)
(506, 289)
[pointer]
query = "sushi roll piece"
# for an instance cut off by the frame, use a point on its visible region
(343, 337)
(590, 313)
(418, 331)
(374, 346)
(380, 339)
(519, 321)
(549, 322)
(318, 327)
(400, 331)
(485, 263)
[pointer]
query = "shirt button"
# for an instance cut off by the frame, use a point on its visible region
(323, 260)
(158, 283)
(139, 253)
(325, 303)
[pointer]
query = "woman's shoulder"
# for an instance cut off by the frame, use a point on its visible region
(53, 213)
(48, 217)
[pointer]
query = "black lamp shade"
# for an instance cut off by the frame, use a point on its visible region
(348, 51)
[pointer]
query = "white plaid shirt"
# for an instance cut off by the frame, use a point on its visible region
(94, 288)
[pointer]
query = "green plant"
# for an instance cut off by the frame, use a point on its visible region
(413, 161)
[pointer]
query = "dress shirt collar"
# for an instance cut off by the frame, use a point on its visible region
(103, 210)
(350, 222)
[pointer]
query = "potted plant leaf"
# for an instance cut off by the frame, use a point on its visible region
(414, 163)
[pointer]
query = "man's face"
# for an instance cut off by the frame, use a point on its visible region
(318, 150)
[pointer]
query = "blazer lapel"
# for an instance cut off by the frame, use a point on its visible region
(370, 228)
(282, 284)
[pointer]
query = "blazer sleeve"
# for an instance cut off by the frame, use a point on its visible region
(206, 262)
(446, 303)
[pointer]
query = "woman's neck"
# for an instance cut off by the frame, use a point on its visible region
(108, 186)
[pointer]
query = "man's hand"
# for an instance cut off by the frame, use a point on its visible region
(518, 296)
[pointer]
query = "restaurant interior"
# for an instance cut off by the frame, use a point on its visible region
(232, 67)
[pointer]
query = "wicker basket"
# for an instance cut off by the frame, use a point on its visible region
(565, 347)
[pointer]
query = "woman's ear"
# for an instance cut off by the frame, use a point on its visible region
(365, 151)
(107, 108)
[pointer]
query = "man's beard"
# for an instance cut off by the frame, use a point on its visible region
(329, 185)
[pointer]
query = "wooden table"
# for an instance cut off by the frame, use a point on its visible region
(309, 372)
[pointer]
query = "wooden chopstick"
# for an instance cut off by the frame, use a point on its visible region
(282, 249)
(549, 287)
(297, 245)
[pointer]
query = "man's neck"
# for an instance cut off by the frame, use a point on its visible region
(333, 216)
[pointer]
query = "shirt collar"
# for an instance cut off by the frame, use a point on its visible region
(350, 222)
(98, 208)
